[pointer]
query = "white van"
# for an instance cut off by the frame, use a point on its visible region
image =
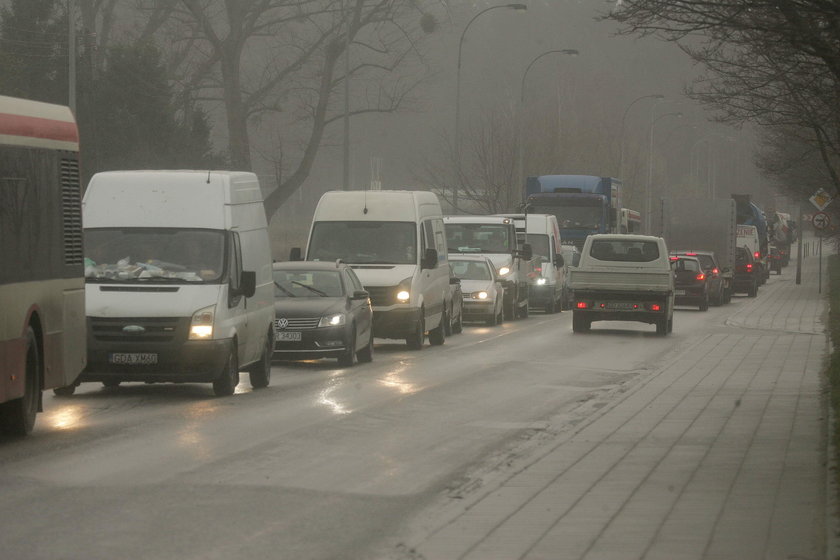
(747, 236)
(395, 242)
(178, 278)
(547, 286)
(495, 238)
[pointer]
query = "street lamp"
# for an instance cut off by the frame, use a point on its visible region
(621, 137)
(520, 159)
(649, 187)
(458, 95)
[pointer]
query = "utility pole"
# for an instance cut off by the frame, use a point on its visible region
(71, 55)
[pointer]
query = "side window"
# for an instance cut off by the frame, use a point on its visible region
(423, 243)
(429, 235)
(235, 261)
(357, 284)
(440, 237)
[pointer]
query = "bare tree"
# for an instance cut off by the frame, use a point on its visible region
(770, 62)
(281, 61)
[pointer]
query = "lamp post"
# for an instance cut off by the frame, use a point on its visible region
(345, 173)
(649, 187)
(621, 136)
(458, 95)
(520, 166)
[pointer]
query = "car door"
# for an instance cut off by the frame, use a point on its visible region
(360, 309)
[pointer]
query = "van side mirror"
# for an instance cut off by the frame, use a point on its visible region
(430, 259)
(295, 254)
(248, 283)
(454, 280)
(559, 261)
(526, 253)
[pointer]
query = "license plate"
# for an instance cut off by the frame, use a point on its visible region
(287, 337)
(133, 358)
(679, 292)
(620, 305)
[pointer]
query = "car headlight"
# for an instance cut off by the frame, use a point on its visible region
(332, 320)
(201, 325)
(504, 271)
(541, 281)
(404, 290)
(480, 295)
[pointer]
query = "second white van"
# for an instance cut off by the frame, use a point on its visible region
(396, 244)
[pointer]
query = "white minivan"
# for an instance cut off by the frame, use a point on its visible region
(547, 286)
(396, 244)
(178, 278)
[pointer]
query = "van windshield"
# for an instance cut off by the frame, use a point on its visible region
(364, 242)
(154, 255)
(480, 238)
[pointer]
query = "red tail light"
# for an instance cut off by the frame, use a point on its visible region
(715, 271)
(700, 276)
(675, 258)
(749, 268)
(655, 307)
(582, 305)
(537, 269)
(757, 255)
(691, 254)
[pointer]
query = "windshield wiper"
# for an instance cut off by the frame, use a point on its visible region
(284, 290)
(310, 288)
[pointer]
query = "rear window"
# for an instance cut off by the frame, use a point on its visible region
(624, 250)
(686, 265)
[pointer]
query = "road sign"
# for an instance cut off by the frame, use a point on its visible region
(820, 199)
(821, 220)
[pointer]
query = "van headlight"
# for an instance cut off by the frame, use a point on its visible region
(332, 320)
(201, 325)
(540, 281)
(504, 271)
(404, 290)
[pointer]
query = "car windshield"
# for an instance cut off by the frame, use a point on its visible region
(470, 270)
(307, 283)
(364, 242)
(624, 250)
(573, 217)
(154, 255)
(479, 238)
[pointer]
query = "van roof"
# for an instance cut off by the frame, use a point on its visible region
(163, 198)
(389, 205)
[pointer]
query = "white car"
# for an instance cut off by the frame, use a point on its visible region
(481, 287)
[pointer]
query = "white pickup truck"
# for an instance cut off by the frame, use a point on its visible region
(623, 278)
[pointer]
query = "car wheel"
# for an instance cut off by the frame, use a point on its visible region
(226, 383)
(437, 336)
(111, 383)
(448, 330)
(662, 326)
(704, 305)
(348, 357)
(551, 306)
(509, 307)
(65, 391)
(415, 340)
(580, 323)
(17, 417)
(458, 326)
(753, 289)
(260, 372)
(365, 355)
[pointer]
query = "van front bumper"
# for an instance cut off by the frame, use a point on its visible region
(154, 357)
(395, 323)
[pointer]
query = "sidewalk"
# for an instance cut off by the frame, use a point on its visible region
(721, 454)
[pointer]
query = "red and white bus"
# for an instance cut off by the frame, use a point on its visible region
(42, 302)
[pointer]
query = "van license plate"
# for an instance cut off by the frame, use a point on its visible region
(679, 292)
(133, 358)
(619, 305)
(287, 337)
